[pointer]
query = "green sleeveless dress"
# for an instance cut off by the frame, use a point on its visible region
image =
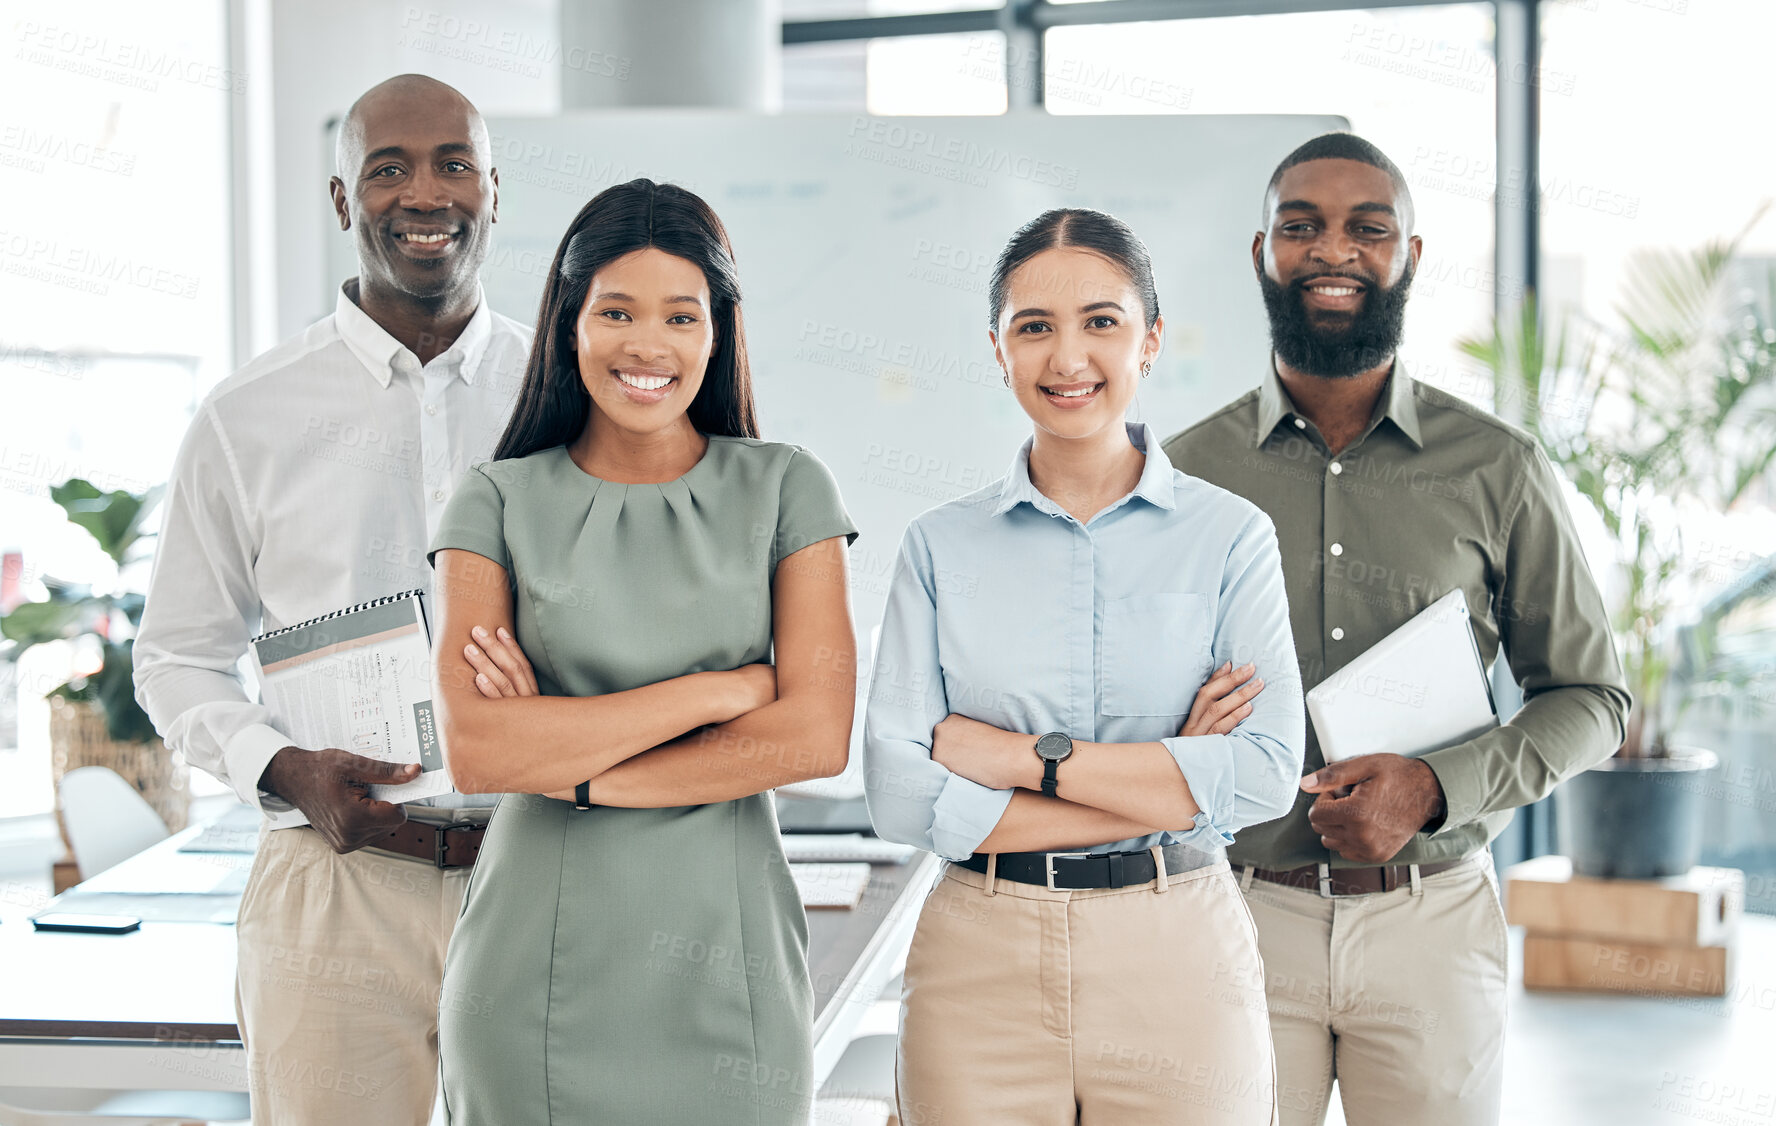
(634, 965)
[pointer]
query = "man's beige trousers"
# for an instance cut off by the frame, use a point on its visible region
(341, 958)
(1399, 996)
(1105, 1008)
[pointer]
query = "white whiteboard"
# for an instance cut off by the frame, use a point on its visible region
(865, 246)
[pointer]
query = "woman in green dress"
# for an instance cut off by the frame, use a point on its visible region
(609, 589)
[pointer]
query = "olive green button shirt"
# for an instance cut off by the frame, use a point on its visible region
(1434, 495)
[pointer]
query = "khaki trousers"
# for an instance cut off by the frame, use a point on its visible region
(1399, 996)
(340, 962)
(1101, 1008)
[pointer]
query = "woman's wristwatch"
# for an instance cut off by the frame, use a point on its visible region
(583, 795)
(1053, 749)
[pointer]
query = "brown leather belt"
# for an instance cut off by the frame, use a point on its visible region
(1331, 882)
(444, 846)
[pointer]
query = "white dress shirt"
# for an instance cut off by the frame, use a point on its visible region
(310, 480)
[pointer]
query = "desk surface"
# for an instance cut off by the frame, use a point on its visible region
(175, 980)
(167, 981)
(841, 942)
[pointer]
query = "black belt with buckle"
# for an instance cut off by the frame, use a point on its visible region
(1079, 871)
(445, 846)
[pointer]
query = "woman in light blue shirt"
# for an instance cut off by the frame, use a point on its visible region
(1086, 683)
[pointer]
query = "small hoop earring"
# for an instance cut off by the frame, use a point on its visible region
(1146, 368)
(1006, 378)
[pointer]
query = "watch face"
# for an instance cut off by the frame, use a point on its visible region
(1054, 746)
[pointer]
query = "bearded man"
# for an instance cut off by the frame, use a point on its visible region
(1375, 899)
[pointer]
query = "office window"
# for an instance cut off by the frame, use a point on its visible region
(114, 168)
(937, 74)
(114, 161)
(1419, 82)
(850, 9)
(914, 75)
(1630, 165)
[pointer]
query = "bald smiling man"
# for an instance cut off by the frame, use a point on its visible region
(312, 480)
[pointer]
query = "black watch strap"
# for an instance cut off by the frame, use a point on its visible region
(583, 795)
(1050, 783)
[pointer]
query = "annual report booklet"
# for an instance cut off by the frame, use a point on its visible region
(359, 679)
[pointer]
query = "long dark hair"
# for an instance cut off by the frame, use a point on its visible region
(1086, 229)
(553, 404)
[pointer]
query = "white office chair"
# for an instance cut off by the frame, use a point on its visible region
(108, 821)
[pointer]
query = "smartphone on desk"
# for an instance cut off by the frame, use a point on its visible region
(85, 924)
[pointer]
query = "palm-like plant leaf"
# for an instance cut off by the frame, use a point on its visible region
(114, 518)
(115, 521)
(1675, 408)
(32, 623)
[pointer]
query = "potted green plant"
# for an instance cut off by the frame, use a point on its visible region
(94, 718)
(1662, 417)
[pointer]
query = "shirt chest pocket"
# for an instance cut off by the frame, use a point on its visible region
(1156, 653)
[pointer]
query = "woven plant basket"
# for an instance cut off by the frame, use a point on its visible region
(78, 737)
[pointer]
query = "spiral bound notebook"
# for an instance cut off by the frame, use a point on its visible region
(359, 679)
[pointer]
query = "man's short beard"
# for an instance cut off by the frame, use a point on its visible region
(1341, 345)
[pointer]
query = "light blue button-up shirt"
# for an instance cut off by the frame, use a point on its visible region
(1007, 610)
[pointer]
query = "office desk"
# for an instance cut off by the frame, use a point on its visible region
(124, 1021)
(138, 1023)
(853, 954)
